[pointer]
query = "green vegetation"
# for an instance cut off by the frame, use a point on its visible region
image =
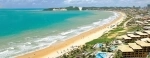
(102, 39)
(105, 38)
(148, 56)
(118, 54)
(81, 52)
(72, 8)
(134, 28)
(116, 30)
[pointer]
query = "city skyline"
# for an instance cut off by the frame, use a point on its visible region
(64, 3)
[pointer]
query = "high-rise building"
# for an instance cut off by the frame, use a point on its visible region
(148, 5)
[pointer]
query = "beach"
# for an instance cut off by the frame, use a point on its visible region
(65, 46)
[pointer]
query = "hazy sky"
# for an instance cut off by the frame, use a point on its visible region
(62, 3)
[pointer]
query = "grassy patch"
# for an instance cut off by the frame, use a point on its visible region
(102, 39)
(122, 33)
(134, 28)
(116, 30)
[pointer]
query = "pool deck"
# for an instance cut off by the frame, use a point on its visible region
(109, 55)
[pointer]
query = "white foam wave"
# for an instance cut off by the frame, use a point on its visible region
(49, 38)
(65, 33)
(28, 43)
(6, 53)
(11, 48)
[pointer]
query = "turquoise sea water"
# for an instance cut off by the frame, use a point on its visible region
(26, 30)
(13, 22)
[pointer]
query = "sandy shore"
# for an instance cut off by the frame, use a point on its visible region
(62, 47)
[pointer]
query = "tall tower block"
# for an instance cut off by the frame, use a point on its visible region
(80, 8)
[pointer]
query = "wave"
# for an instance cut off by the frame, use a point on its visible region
(40, 43)
(65, 33)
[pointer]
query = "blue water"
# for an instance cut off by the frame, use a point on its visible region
(13, 22)
(26, 30)
(101, 55)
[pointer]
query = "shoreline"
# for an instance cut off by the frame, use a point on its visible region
(64, 46)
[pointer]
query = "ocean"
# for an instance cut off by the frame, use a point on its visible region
(23, 31)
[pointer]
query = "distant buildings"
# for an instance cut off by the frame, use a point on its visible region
(70, 8)
(148, 6)
(59, 9)
(80, 8)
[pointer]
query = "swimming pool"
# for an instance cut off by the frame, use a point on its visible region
(101, 55)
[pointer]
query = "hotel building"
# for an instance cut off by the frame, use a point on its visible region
(139, 49)
(131, 37)
(148, 32)
(141, 34)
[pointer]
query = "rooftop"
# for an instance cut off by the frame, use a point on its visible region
(130, 32)
(147, 24)
(134, 46)
(147, 31)
(133, 35)
(141, 33)
(146, 39)
(143, 44)
(148, 20)
(146, 27)
(125, 48)
(125, 37)
(139, 22)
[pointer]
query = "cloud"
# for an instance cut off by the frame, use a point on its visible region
(79, 1)
(108, 2)
(59, 3)
(6, 1)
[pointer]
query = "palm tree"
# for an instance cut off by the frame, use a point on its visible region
(103, 49)
(77, 50)
(118, 54)
(107, 43)
(109, 49)
(65, 56)
(83, 56)
(91, 56)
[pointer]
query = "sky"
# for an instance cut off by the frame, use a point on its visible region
(64, 3)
